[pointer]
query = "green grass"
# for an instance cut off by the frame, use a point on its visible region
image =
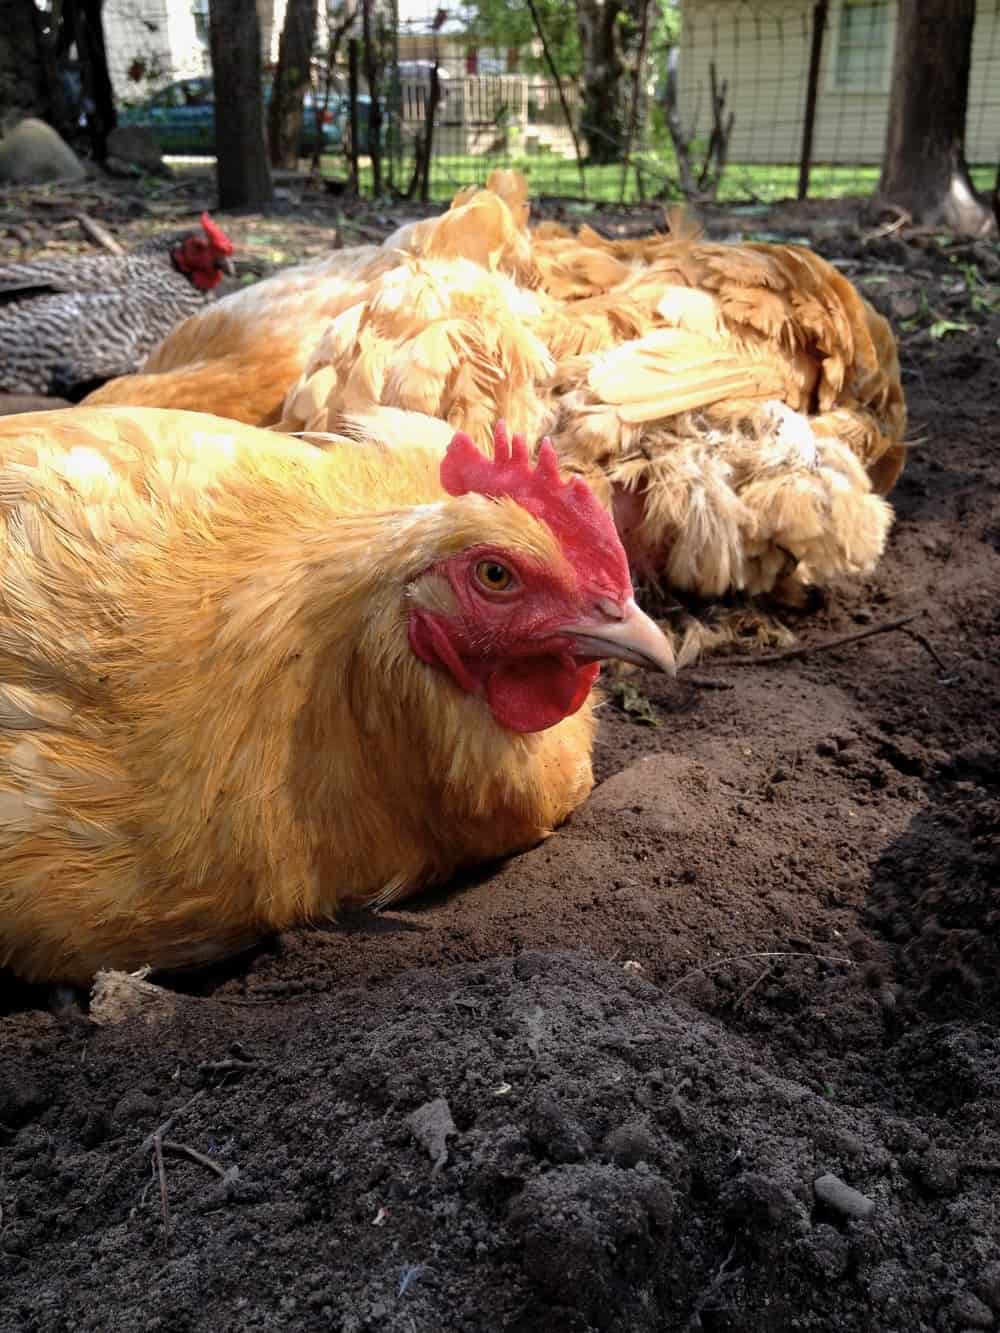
(549, 174)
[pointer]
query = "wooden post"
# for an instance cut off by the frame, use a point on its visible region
(373, 67)
(820, 9)
(352, 97)
(432, 106)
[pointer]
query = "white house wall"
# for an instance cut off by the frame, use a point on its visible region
(762, 51)
(160, 34)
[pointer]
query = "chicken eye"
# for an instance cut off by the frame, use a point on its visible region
(494, 576)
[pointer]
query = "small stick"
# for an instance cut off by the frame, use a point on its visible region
(147, 1142)
(228, 1066)
(698, 682)
(927, 646)
(723, 1275)
(98, 234)
(748, 957)
(192, 1154)
(161, 1172)
(790, 654)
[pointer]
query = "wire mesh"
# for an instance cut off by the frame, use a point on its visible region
(501, 108)
(499, 105)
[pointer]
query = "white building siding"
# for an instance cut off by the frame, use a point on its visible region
(762, 50)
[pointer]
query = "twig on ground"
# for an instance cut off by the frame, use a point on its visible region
(750, 957)
(902, 219)
(161, 1172)
(723, 1275)
(927, 646)
(228, 1066)
(790, 654)
(745, 994)
(147, 1143)
(699, 682)
(145, 1147)
(98, 234)
(175, 188)
(192, 1154)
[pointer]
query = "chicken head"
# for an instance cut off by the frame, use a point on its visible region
(204, 258)
(525, 622)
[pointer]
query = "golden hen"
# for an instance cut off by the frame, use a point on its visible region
(737, 407)
(245, 682)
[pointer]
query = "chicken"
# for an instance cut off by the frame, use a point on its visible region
(738, 408)
(66, 324)
(246, 682)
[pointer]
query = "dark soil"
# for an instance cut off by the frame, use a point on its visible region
(600, 1088)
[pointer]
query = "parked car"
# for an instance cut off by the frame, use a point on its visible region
(181, 118)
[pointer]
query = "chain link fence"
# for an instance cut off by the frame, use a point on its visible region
(745, 101)
(752, 103)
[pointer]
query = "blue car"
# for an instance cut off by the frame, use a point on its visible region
(181, 118)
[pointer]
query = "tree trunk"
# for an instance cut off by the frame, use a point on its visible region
(242, 170)
(373, 75)
(29, 82)
(924, 169)
(602, 122)
(284, 125)
(22, 83)
(83, 19)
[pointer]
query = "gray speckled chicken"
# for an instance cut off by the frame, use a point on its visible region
(67, 325)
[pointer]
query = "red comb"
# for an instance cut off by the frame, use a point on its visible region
(585, 531)
(216, 235)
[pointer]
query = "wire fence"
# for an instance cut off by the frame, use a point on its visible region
(750, 101)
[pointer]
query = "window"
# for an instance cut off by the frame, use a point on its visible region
(862, 56)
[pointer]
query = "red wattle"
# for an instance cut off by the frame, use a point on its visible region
(535, 693)
(205, 279)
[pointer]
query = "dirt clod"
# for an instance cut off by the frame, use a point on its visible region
(839, 1196)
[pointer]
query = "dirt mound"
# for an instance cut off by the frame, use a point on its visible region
(723, 1054)
(936, 893)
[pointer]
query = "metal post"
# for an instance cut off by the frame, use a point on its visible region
(820, 9)
(352, 94)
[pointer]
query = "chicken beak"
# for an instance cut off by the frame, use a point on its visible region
(633, 638)
(227, 266)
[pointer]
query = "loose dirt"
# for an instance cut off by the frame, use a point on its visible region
(723, 1054)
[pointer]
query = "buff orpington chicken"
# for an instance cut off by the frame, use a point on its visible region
(738, 408)
(246, 682)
